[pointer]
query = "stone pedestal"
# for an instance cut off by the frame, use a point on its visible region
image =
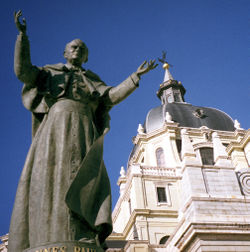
(71, 246)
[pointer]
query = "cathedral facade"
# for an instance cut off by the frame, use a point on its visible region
(187, 182)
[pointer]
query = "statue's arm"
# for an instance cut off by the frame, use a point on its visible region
(120, 92)
(23, 68)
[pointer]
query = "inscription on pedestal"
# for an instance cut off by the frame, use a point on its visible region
(66, 247)
(53, 249)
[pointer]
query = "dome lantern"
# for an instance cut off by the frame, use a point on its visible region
(170, 90)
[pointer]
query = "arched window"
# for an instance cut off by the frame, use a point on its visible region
(207, 155)
(164, 239)
(160, 159)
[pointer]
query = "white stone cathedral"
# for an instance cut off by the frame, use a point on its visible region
(187, 184)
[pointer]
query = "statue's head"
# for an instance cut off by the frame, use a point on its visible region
(76, 52)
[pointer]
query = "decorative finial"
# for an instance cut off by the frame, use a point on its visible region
(122, 172)
(166, 65)
(237, 124)
(168, 117)
(140, 129)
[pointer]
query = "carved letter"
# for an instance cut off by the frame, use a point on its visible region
(63, 249)
(55, 249)
(77, 249)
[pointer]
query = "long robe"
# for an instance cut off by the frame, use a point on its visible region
(64, 190)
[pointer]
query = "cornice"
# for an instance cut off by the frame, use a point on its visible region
(191, 229)
(239, 145)
(167, 127)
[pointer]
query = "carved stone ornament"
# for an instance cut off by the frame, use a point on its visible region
(244, 180)
(199, 113)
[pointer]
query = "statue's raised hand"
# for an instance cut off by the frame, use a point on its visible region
(146, 67)
(20, 26)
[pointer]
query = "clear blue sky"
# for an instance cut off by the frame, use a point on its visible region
(206, 41)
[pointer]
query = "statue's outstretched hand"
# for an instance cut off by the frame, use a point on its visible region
(146, 67)
(20, 26)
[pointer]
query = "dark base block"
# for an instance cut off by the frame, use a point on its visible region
(71, 246)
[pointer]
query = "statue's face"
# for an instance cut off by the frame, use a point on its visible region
(76, 52)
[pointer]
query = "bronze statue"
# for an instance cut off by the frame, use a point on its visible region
(64, 190)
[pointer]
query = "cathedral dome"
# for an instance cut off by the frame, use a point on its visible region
(171, 93)
(188, 115)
